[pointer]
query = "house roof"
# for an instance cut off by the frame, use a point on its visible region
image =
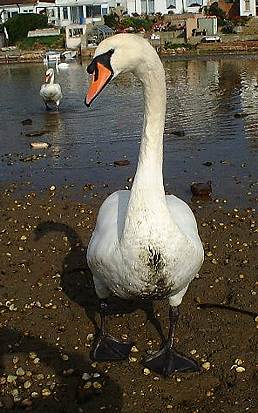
(22, 2)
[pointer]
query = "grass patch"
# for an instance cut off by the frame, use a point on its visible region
(52, 42)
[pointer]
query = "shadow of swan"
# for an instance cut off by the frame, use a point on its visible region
(77, 282)
(67, 395)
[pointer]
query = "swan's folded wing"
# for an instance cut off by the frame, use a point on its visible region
(183, 216)
(109, 225)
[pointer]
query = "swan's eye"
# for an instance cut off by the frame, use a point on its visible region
(104, 59)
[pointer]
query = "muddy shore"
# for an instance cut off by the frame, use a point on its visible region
(236, 47)
(49, 312)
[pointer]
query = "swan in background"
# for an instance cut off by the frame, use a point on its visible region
(62, 65)
(51, 92)
(145, 244)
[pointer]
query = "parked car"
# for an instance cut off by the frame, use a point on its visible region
(211, 39)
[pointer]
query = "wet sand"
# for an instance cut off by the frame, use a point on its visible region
(49, 312)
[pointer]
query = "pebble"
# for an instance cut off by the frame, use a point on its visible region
(240, 369)
(146, 371)
(15, 392)
(193, 352)
(20, 371)
(97, 385)
(34, 395)
(65, 357)
(27, 384)
(36, 360)
(87, 385)
(11, 378)
(86, 376)
(134, 349)
(90, 337)
(32, 355)
(206, 365)
(15, 359)
(46, 392)
(52, 188)
(132, 359)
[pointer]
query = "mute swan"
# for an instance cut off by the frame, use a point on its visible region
(145, 244)
(51, 92)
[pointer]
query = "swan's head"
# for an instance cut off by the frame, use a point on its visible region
(49, 75)
(119, 54)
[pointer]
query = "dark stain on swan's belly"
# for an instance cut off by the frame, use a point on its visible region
(157, 285)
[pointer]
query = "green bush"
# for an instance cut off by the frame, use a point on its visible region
(137, 23)
(170, 45)
(111, 20)
(18, 26)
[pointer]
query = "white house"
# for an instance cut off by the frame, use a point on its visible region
(80, 11)
(163, 6)
(60, 12)
(10, 8)
(247, 7)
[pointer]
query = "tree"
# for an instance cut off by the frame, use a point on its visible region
(19, 26)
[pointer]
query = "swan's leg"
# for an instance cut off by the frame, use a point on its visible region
(167, 360)
(106, 347)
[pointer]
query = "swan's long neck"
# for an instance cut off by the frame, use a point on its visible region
(149, 178)
(52, 79)
(147, 206)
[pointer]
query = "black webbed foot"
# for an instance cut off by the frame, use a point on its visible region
(107, 348)
(168, 361)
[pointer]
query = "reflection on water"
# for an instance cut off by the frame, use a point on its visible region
(204, 99)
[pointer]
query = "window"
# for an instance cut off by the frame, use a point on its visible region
(151, 6)
(247, 5)
(144, 6)
(96, 11)
(58, 13)
(104, 11)
(14, 13)
(170, 3)
(93, 11)
(65, 13)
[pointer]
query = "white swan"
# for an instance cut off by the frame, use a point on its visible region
(145, 244)
(51, 92)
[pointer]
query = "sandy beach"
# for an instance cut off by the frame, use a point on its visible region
(49, 313)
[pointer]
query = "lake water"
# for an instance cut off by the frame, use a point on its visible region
(205, 97)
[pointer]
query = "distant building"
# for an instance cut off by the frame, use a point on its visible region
(164, 6)
(10, 8)
(80, 11)
(60, 12)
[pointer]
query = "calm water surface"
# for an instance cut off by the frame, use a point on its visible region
(203, 97)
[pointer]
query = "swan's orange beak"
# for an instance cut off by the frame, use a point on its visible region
(100, 78)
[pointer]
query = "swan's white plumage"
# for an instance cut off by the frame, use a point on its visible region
(145, 244)
(51, 92)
